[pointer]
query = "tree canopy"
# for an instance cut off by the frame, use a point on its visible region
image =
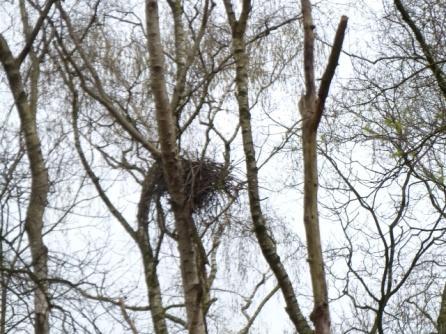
(222, 167)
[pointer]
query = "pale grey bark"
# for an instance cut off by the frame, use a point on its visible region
(141, 234)
(311, 107)
(265, 240)
(191, 250)
(192, 262)
(26, 106)
(4, 282)
(142, 238)
(441, 321)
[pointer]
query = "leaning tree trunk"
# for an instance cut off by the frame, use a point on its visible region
(265, 240)
(149, 260)
(311, 107)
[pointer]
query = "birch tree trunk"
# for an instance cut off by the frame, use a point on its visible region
(149, 261)
(311, 107)
(192, 264)
(27, 107)
(441, 321)
(265, 240)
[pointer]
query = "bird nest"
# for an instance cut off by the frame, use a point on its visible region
(206, 181)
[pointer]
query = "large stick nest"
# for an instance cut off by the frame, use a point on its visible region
(206, 182)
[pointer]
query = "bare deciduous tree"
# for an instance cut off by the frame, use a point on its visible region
(26, 100)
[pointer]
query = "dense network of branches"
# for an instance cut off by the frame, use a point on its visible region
(158, 174)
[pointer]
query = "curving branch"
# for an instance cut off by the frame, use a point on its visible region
(264, 238)
(432, 63)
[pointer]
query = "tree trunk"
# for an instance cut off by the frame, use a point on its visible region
(320, 315)
(311, 107)
(3, 289)
(39, 181)
(441, 321)
(192, 264)
(149, 262)
(265, 240)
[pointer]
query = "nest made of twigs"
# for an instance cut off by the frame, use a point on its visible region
(206, 181)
